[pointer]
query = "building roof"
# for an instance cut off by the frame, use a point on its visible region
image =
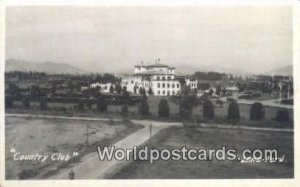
(159, 65)
(152, 72)
(139, 65)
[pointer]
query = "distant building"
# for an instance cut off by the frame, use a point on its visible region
(232, 87)
(104, 87)
(159, 78)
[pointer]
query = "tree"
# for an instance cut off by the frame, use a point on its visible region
(182, 81)
(208, 75)
(94, 92)
(185, 108)
(224, 92)
(144, 107)
(150, 91)
(135, 89)
(233, 111)
(26, 102)
(208, 109)
(163, 108)
(13, 88)
(144, 94)
(107, 77)
(282, 115)
(34, 91)
(187, 102)
(124, 89)
(44, 104)
(101, 105)
(241, 86)
(211, 91)
(118, 88)
(257, 111)
(111, 89)
(126, 95)
(218, 90)
(186, 90)
(141, 90)
(9, 102)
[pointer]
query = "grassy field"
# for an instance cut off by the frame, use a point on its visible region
(177, 137)
(48, 136)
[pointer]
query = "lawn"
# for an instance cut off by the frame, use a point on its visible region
(48, 136)
(177, 137)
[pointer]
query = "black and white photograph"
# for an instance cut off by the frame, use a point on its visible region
(148, 92)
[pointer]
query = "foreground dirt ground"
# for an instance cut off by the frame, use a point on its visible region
(48, 136)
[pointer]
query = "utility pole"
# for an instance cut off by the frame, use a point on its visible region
(280, 89)
(289, 88)
(150, 135)
(195, 122)
(87, 134)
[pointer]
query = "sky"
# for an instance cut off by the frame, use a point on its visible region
(102, 39)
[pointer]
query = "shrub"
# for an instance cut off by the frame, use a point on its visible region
(26, 102)
(257, 111)
(135, 89)
(101, 105)
(187, 100)
(185, 107)
(144, 108)
(44, 104)
(163, 108)
(233, 111)
(9, 102)
(141, 90)
(124, 89)
(118, 88)
(287, 101)
(208, 110)
(62, 108)
(29, 173)
(126, 95)
(150, 91)
(111, 89)
(282, 115)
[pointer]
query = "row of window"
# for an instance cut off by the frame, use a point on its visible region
(193, 84)
(163, 92)
(163, 78)
(167, 85)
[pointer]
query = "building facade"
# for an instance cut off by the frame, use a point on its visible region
(159, 78)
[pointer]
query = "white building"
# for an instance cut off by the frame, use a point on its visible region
(232, 87)
(104, 86)
(158, 77)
